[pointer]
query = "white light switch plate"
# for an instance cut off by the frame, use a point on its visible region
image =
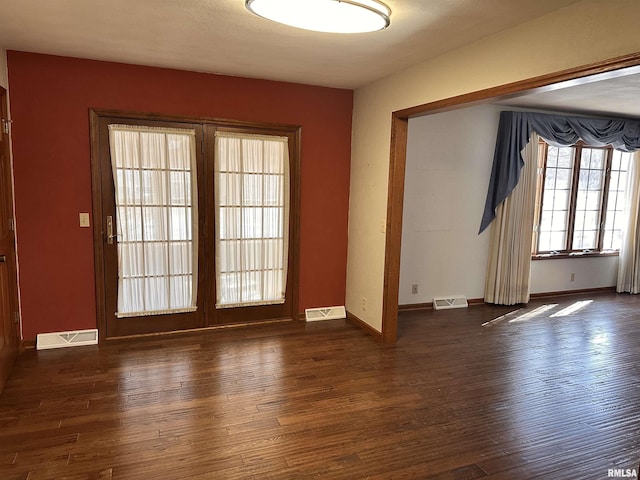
(84, 219)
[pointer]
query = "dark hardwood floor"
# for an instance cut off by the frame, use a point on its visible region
(543, 397)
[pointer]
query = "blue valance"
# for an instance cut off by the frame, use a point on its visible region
(515, 129)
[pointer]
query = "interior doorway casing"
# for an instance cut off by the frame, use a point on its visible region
(397, 161)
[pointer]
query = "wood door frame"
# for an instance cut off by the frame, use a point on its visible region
(398, 154)
(251, 314)
(11, 344)
(95, 114)
(140, 325)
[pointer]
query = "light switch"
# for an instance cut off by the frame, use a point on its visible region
(84, 219)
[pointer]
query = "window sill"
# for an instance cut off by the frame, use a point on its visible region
(557, 256)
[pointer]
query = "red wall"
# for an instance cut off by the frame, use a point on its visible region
(50, 99)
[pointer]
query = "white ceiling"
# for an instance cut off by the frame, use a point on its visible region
(611, 94)
(221, 36)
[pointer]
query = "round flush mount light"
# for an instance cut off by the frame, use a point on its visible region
(332, 16)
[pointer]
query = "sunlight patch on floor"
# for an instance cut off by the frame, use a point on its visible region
(572, 308)
(534, 313)
(500, 318)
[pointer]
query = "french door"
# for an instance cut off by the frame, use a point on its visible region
(195, 222)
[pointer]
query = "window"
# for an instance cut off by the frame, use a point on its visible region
(156, 213)
(252, 211)
(580, 200)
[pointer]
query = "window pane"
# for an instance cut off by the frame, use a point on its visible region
(547, 200)
(581, 200)
(129, 220)
(591, 220)
(557, 241)
(545, 221)
(589, 239)
(555, 200)
(250, 237)
(577, 240)
(563, 178)
(155, 191)
(156, 259)
(579, 220)
(180, 223)
(589, 198)
(252, 155)
(561, 200)
(544, 241)
(559, 222)
(179, 151)
(180, 255)
(252, 190)
(552, 156)
(230, 221)
(131, 259)
(128, 191)
(550, 180)
(593, 200)
(615, 180)
(180, 190)
(251, 223)
(273, 190)
(154, 188)
(616, 201)
(565, 157)
(592, 158)
(154, 223)
(229, 189)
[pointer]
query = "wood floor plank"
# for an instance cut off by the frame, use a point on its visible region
(546, 397)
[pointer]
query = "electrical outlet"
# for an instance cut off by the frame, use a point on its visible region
(573, 276)
(84, 219)
(414, 289)
(364, 304)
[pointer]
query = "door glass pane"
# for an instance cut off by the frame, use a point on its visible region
(251, 211)
(156, 218)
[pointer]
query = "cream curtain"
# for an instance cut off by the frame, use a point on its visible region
(252, 219)
(156, 216)
(509, 265)
(629, 259)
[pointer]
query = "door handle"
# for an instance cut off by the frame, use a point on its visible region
(3, 259)
(110, 234)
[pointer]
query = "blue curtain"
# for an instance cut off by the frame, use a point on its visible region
(513, 134)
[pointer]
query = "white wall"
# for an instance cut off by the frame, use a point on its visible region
(445, 188)
(555, 275)
(567, 38)
(4, 78)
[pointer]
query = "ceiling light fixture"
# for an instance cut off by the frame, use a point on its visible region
(332, 16)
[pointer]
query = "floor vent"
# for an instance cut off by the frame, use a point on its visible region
(326, 313)
(442, 303)
(75, 338)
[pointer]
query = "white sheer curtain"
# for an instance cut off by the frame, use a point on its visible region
(509, 266)
(252, 219)
(629, 259)
(156, 215)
